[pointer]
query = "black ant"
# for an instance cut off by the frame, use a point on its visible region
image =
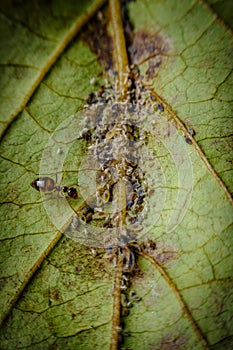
(47, 185)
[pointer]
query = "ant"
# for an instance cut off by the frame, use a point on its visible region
(47, 185)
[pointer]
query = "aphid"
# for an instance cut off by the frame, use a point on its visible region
(86, 134)
(129, 205)
(191, 131)
(59, 151)
(47, 185)
(129, 259)
(87, 214)
(140, 200)
(140, 192)
(160, 107)
(92, 81)
(91, 98)
(136, 185)
(124, 311)
(151, 244)
(123, 287)
(107, 222)
(125, 280)
(187, 140)
(101, 91)
(105, 196)
(133, 296)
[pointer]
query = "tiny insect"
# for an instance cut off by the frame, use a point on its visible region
(91, 98)
(160, 107)
(191, 131)
(188, 140)
(101, 91)
(48, 185)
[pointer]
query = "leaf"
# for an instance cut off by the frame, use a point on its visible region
(183, 53)
(32, 38)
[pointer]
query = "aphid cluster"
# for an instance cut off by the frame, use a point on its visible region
(116, 139)
(113, 140)
(116, 134)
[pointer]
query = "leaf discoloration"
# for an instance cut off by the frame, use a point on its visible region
(151, 48)
(99, 41)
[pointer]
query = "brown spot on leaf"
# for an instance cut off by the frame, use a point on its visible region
(95, 34)
(55, 296)
(80, 260)
(161, 254)
(166, 256)
(177, 343)
(149, 47)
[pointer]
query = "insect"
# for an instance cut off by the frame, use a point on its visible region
(160, 107)
(187, 140)
(48, 185)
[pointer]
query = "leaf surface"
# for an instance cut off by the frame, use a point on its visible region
(183, 53)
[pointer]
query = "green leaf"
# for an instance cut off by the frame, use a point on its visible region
(32, 38)
(57, 293)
